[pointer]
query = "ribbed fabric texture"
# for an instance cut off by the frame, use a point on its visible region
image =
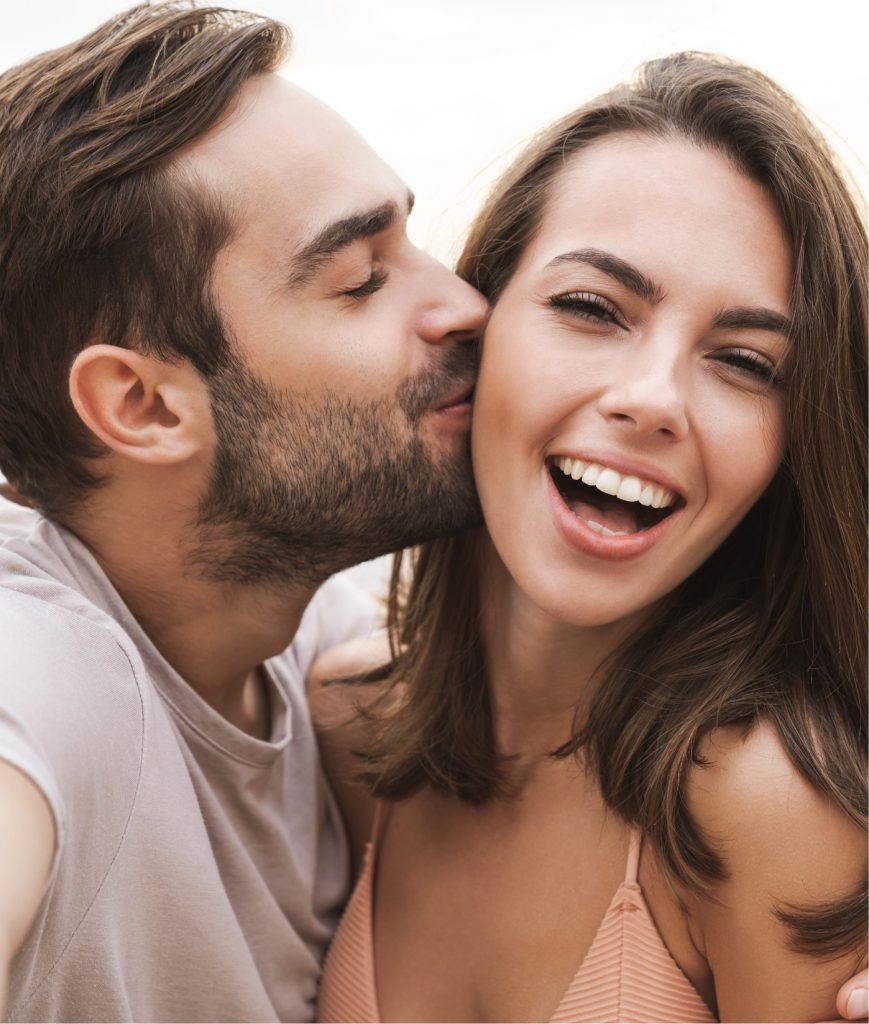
(627, 974)
(347, 987)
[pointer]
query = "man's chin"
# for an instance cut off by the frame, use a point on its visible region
(446, 437)
(304, 487)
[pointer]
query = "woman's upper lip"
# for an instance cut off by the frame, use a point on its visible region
(623, 464)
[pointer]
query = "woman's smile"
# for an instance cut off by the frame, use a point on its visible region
(606, 513)
(645, 328)
(633, 704)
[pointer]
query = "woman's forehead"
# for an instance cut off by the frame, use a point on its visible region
(675, 209)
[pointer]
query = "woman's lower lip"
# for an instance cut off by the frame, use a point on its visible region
(576, 532)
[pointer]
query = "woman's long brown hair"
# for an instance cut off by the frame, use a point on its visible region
(773, 626)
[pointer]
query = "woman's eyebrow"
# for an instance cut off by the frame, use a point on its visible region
(622, 271)
(757, 318)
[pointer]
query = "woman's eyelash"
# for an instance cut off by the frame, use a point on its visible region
(752, 363)
(586, 305)
(596, 309)
(374, 283)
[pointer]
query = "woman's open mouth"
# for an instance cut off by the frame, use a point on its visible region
(610, 502)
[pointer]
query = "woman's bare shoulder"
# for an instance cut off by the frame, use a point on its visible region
(784, 845)
(747, 794)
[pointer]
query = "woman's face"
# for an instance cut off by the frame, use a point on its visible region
(628, 414)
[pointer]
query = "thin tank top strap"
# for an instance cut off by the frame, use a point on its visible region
(634, 848)
(381, 813)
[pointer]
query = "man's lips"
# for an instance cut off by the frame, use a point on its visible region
(459, 398)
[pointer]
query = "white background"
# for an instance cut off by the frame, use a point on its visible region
(447, 90)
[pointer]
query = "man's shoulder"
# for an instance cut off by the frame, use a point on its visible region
(71, 684)
(49, 624)
(72, 706)
(52, 593)
(16, 518)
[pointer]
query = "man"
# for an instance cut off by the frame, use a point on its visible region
(226, 374)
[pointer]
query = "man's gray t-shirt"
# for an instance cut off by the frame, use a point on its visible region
(199, 871)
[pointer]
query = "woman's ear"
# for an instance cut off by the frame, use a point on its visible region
(140, 407)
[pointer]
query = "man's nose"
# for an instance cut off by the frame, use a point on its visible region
(455, 311)
(648, 394)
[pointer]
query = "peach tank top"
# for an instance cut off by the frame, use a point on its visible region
(627, 975)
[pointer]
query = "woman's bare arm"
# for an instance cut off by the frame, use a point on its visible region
(784, 845)
(341, 732)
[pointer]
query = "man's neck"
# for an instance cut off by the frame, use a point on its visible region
(214, 634)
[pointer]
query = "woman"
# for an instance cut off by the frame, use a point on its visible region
(620, 753)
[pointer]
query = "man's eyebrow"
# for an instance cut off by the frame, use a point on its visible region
(330, 240)
(756, 318)
(617, 268)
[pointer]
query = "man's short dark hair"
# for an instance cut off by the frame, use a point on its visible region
(100, 240)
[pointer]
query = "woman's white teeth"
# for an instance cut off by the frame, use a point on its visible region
(629, 489)
(608, 481)
(604, 529)
(626, 488)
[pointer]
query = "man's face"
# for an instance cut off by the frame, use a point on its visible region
(342, 432)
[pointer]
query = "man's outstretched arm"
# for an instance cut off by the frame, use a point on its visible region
(26, 851)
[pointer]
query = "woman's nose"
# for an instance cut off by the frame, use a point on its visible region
(648, 395)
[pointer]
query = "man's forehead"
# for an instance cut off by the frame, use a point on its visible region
(281, 151)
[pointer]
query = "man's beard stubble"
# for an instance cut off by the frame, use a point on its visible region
(303, 487)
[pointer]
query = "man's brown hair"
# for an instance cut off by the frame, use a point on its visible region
(99, 239)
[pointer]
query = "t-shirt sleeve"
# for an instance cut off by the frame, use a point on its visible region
(70, 717)
(20, 748)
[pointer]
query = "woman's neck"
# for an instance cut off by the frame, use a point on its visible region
(541, 669)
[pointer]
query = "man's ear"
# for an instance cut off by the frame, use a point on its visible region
(142, 408)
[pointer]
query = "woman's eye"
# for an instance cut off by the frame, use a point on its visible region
(587, 306)
(374, 283)
(750, 363)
